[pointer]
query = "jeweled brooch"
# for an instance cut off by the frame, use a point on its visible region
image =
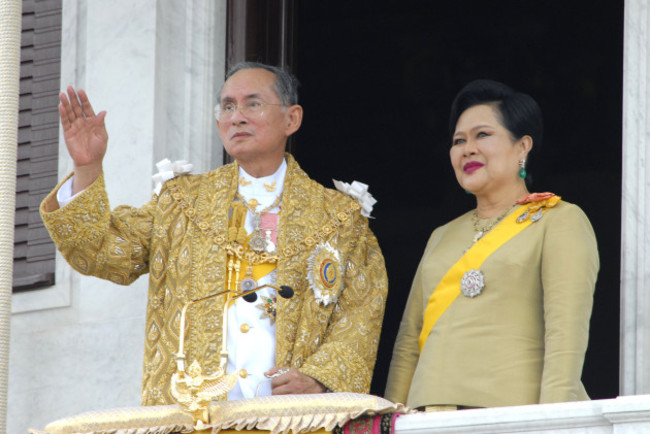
(472, 283)
(325, 275)
(268, 306)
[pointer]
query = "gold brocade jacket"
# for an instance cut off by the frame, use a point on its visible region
(179, 239)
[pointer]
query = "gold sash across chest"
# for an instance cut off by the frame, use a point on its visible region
(449, 287)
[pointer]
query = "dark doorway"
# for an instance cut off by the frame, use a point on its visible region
(377, 80)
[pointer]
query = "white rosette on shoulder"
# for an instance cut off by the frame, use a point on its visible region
(359, 191)
(168, 170)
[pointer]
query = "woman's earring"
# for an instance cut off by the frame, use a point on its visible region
(522, 172)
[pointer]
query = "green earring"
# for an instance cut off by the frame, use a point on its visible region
(522, 172)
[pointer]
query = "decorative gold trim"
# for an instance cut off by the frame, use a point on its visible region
(282, 413)
(298, 413)
(318, 236)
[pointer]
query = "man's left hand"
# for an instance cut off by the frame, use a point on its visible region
(294, 382)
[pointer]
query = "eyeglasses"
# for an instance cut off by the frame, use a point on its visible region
(251, 108)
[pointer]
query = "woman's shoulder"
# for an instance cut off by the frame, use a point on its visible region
(567, 211)
(563, 217)
(460, 223)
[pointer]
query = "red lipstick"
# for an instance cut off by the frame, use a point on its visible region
(472, 166)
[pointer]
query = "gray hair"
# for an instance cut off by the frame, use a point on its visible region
(285, 86)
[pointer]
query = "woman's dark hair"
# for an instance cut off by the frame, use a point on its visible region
(519, 113)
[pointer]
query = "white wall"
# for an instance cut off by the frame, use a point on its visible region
(154, 66)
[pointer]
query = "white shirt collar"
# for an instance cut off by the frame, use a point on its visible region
(265, 189)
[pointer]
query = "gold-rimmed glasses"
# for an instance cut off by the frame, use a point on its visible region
(249, 108)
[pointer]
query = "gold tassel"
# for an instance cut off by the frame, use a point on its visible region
(236, 224)
(242, 236)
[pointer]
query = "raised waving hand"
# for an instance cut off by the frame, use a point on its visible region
(85, 136)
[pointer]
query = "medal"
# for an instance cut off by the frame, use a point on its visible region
(472, 283)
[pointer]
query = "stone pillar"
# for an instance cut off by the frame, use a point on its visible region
(635, 234)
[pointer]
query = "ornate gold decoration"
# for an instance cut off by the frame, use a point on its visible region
(153, 419)
(270, 187)
(283, 413)
(192, 389)
(181, 239)
(299, 413)
(244, 182)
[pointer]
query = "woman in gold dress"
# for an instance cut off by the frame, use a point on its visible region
(498, 313)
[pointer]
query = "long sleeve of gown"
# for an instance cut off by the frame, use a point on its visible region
(95, 241)
(569, 270)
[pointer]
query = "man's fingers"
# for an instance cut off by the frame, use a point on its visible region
(86, 107)
(295, 382)
(65, 121)
(271, 372)
(280, 379)
(276, 372)
(282, 390)
(101, 116)
(283, 379)
(67, 109)
(74, 102)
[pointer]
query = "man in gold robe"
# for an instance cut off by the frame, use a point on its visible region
(258, 221)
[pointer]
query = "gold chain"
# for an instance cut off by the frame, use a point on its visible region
(490, 223)
(253, 211)
(481, 230)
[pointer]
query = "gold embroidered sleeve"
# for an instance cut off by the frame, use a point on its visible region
(345, 360)
(95, 241)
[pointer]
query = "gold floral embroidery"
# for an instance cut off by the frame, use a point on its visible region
(180, 238)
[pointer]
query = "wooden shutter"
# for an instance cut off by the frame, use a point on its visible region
(37, 141)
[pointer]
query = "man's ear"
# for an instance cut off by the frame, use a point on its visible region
(293, 118)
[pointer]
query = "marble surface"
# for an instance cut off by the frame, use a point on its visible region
(190, 62)
(628, 414)
(635, 239)
(78, 345)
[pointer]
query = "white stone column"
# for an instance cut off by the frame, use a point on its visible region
(635, 234)
(10, 20)
(190, 66)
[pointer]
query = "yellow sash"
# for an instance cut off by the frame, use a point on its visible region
(259, 270)
(449, 287)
